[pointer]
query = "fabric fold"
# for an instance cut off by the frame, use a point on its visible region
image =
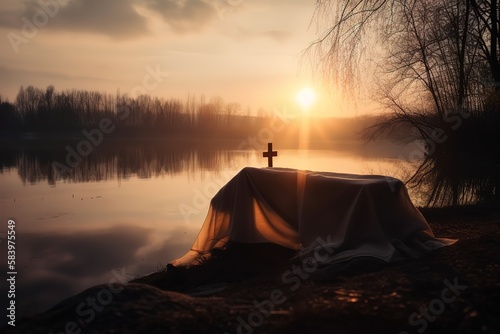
(354, 215)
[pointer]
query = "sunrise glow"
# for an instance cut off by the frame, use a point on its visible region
(306, 98)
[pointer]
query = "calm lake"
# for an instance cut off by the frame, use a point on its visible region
(127, 211)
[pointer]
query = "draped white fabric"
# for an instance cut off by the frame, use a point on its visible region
(353, 215)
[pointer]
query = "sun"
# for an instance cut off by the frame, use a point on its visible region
(306, 98)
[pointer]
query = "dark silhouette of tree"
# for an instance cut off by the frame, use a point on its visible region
(435, 64)
(9, 119)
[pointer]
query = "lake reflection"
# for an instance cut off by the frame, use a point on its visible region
(121, 212)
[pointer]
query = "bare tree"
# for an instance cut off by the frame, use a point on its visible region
(437, 64)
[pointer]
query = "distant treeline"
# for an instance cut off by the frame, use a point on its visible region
(37, 110)
(71, 111)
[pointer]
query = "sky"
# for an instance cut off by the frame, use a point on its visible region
(245, 51)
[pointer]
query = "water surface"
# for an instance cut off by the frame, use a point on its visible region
(127, 211)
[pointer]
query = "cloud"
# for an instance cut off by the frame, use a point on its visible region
(88, 253)
(57, 265)
(113, 18)
(10, 18)
(176, 245)
(278, 35)
(273, 34)
(184, 15)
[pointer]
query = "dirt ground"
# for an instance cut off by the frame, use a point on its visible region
(454, 290)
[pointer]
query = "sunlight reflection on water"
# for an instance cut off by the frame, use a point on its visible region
(125, 212)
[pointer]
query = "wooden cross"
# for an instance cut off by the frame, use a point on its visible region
(270, 154)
